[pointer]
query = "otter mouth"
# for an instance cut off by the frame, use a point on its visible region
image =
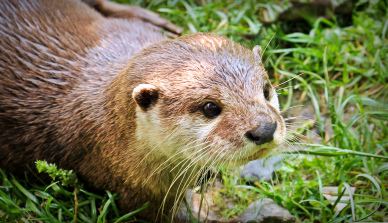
(261, 153)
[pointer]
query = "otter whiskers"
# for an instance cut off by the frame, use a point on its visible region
(213, 159)
(188, 163)
(173, 158)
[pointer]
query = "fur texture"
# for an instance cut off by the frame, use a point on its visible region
(67, 96)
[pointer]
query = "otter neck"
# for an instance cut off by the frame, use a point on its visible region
(152, 161)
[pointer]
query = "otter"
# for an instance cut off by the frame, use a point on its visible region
(129, 109)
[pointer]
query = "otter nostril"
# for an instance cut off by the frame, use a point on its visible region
(251, 136)
(262, 133)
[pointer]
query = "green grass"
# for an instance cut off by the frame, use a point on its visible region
(64, 200)
(338, 69)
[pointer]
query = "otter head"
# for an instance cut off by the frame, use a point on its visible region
(207, 99)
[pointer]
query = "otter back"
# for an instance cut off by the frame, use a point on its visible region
(52, 52)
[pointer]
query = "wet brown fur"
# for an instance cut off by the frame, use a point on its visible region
(67, 74)
(55, 103)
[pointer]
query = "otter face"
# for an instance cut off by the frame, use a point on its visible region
(215, 101)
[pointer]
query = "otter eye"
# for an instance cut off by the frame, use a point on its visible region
(267, 92)
(211, 110)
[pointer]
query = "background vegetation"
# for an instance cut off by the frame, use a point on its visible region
(331, 69)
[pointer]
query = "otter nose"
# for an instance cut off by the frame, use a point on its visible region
(262, 133)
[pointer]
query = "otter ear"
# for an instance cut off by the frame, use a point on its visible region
(145, 95)
(257, 53)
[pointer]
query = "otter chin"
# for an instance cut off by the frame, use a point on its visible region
(124, 106)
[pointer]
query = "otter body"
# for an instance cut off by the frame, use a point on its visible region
(126, 108)
(58, 59)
